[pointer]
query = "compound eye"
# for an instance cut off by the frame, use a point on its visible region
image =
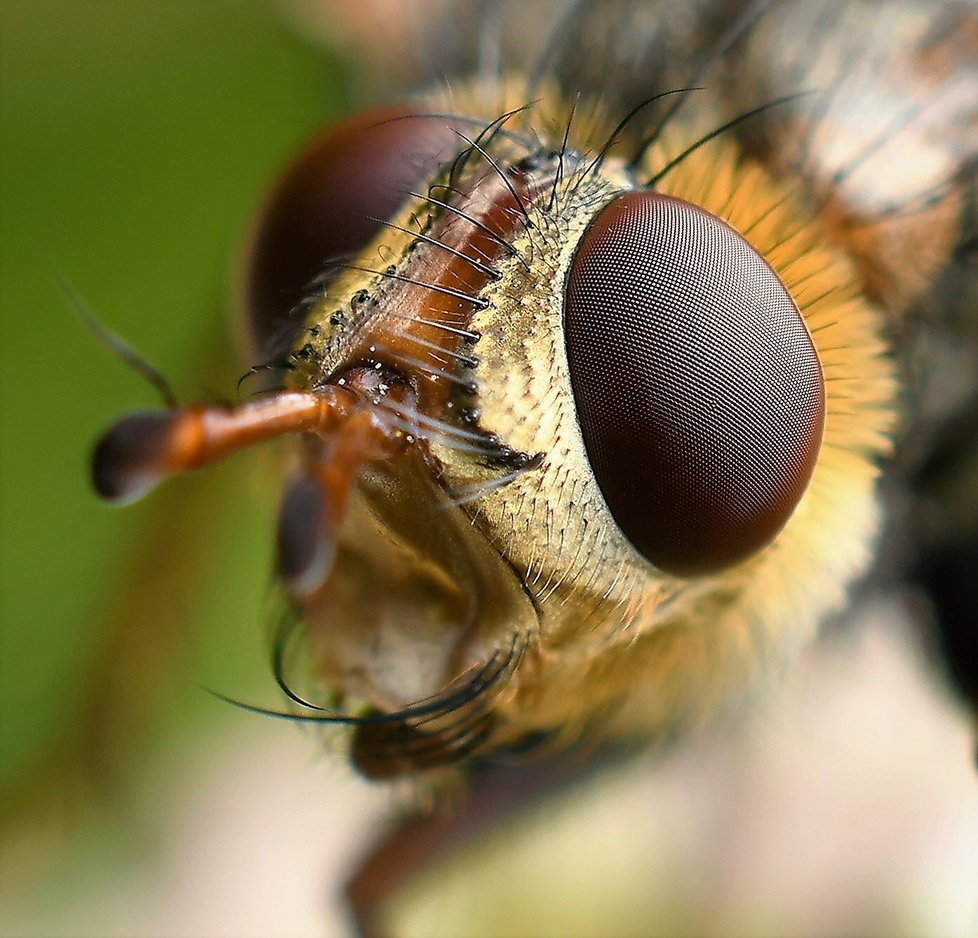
(324, 208)
(699, 392)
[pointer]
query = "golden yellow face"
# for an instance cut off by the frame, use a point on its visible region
(593, 382)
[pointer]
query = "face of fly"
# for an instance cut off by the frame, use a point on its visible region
(588, 401)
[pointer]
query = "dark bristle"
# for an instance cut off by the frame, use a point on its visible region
(462, 692)
(738, 27)
(434, 287)
(499, 239)
(118, 346)
(723, 128)
(497, 169)
(486, 271)
(382, 751)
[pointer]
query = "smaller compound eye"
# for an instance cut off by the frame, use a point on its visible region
(698, 389)
(326, 204)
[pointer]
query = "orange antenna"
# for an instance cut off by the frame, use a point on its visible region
(139, 451)
(315, 502)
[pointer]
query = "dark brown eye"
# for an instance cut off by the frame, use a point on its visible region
(698, 389)
(325, 205)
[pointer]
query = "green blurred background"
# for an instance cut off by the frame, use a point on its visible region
(136, 138)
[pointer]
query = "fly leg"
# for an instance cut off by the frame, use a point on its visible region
(496, 792)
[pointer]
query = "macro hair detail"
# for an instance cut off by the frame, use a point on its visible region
(586, 390)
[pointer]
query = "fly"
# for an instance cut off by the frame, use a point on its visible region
(587, 388)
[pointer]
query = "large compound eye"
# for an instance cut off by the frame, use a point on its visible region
(698, 389)
(326, 204)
